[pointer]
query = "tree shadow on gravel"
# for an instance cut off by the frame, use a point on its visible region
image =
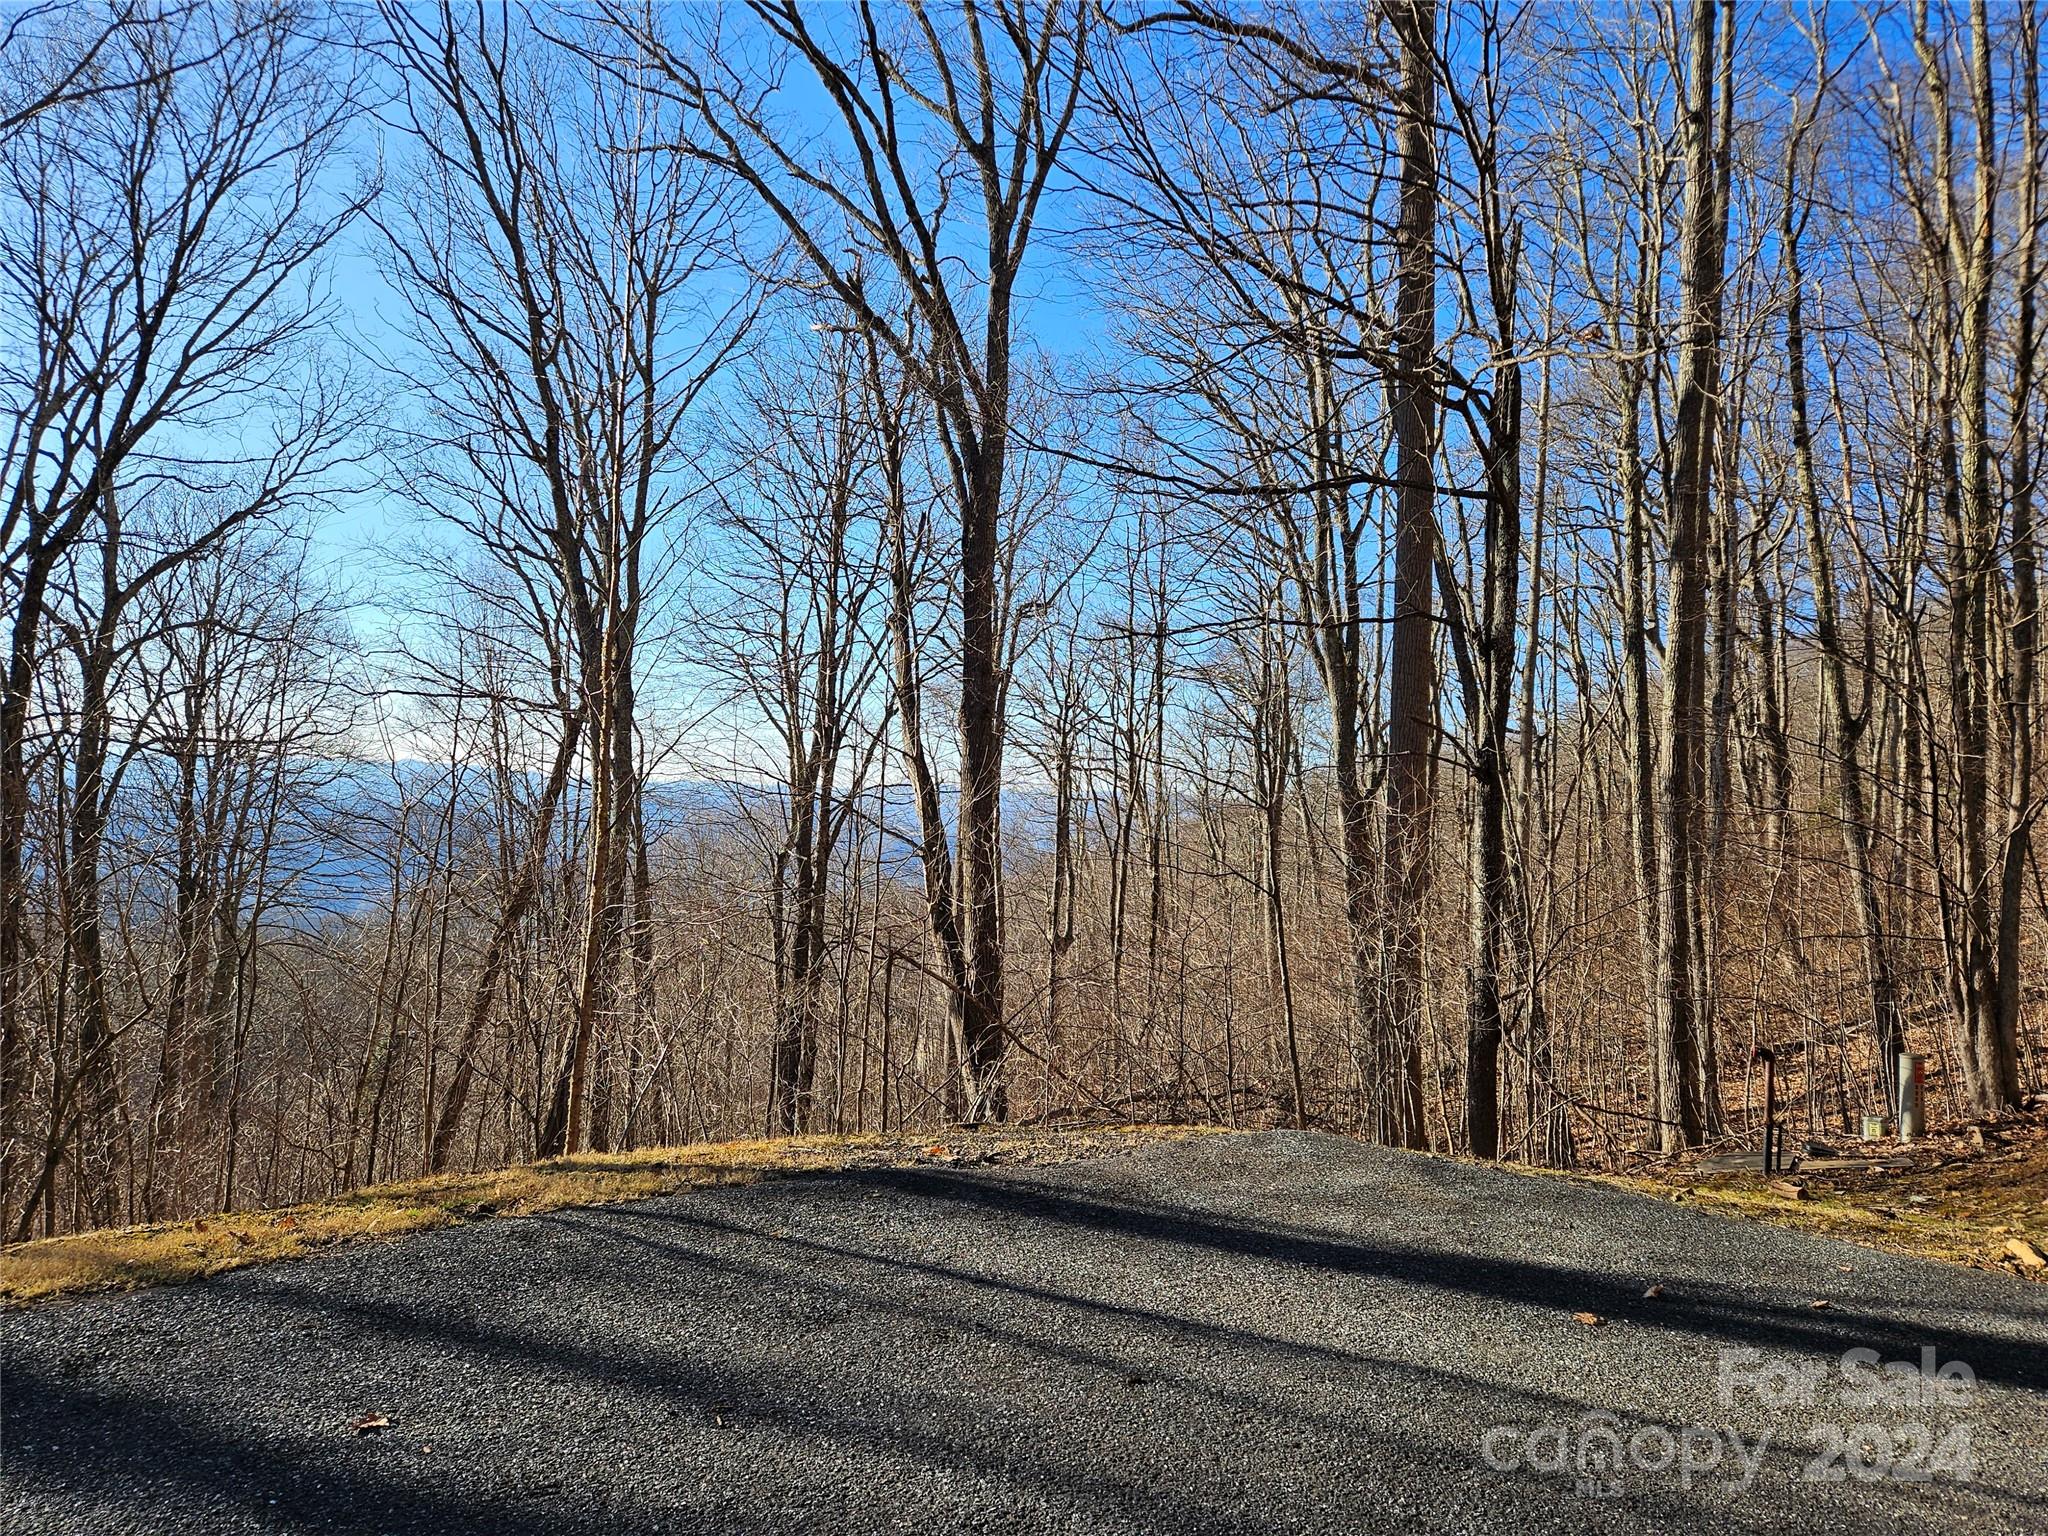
(170, 1469)
(189, 1455)
(1143, 1396)
(361, 1487)
(1699, 1306)
(1254, 1352)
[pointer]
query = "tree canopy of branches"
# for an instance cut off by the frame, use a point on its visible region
(1455, 570)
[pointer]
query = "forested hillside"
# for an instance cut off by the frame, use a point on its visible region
(592, 576)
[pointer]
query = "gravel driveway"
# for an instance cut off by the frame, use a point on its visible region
(1270, 1332)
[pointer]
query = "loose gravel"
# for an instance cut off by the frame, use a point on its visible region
(1273, 1332)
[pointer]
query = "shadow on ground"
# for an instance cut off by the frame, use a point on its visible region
(942, 1351)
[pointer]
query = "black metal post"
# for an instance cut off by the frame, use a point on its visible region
(1770, 1061)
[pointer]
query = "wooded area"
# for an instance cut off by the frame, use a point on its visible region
(1446, 569)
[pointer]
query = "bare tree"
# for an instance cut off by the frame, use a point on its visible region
(999, 85)
(556, 274)
(157, 250)
(790, 623)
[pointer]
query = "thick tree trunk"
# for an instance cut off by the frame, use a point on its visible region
(981, 1022)
(1411, 702)
(99, 1151)
(23, 639)
(1491, 686)
(1681, 1107)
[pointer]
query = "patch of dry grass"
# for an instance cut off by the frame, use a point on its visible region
(128, 1258)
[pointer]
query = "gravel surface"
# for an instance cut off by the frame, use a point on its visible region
(1271, 1332)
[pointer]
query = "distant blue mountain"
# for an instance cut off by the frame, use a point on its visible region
(333, 853)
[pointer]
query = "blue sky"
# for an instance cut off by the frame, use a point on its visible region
(1060, 316)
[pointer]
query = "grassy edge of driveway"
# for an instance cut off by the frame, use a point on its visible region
(1984, 1206)
(1963, 1207)
(164, 1253)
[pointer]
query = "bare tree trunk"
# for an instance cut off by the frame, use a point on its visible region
(1702, 238)
(1272, 750)
(1490, 671)
(1848, 721)
(981, 1022)
(562, 1131)
(100, 1155)
(519, 900)
(2019, 673)
(1411, 703)
(1964, 242)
